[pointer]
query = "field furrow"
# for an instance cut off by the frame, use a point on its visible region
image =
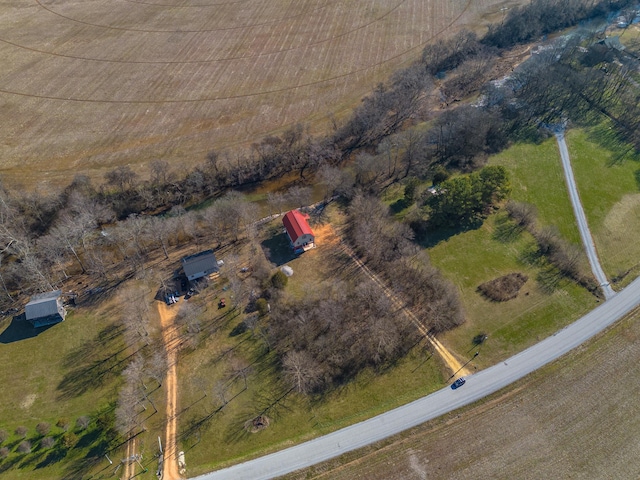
(124, 82)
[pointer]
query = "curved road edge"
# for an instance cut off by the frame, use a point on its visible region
(478, 386)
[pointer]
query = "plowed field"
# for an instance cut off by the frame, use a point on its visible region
(86, 85)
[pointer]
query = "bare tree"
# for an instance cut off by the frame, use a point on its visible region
(48, 442)
(82, 423)
(276, 202)
(126, 409)
(160, 172)
(157, 365)
(24, 447)
(121, 177)
(299, 196)
(220, 390)
(43, 428)
(302, 370)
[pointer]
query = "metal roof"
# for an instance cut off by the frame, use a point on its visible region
(296, 225)
(201, 263)
(43, 305)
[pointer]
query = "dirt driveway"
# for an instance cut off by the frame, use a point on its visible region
(170, 340)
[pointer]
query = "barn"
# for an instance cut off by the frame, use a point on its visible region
(45, 309)
(299, 232)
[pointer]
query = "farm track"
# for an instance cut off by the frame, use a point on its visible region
(171, 342)
(457, 368)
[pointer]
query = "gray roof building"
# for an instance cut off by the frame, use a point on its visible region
(45, 309)
(200, 265)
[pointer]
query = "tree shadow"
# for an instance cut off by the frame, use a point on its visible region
(399, 205)
(277, 249)
(506, 231)
(615, 141)
(549, 279)
(20, 329)
(431, 238)
(271, 401)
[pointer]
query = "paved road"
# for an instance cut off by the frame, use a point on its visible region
(581, 219)
(478, 386)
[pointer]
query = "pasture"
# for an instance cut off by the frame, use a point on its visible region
(87, 86)
(606, 177)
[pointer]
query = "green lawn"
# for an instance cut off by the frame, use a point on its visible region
(68, 370)
(611, 198)
(474, 257)
(537, 178)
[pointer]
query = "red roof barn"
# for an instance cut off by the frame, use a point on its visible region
(299, 232)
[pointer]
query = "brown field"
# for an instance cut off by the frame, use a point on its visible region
(86, 86)
(577, 418)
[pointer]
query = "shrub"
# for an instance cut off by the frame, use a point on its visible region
(262, 306)
(479, 339)
(279, 280)
(24, 447)
(43, 428)
(83, 422)
(21, 431)
(47, 442)
(69, 439)
(503, 288)
(63, 423)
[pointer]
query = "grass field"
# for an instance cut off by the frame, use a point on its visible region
(126, 83)
(610, 195)
(67, 371)
(576, 418)
(536, 177)
(477, 256)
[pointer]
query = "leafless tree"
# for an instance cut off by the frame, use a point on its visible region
(126, 408)
(238, 366)
(121, 177)
(24, 447)
(299, 196)
(302, 370)
(21, 431)
(48, 442)
(157, 365)
(43, 428)
(276, 202)
(220, 390)
(160, 172)
(160, 229)
(82, 423)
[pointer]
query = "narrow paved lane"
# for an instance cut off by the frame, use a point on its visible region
(438, 403)
(581, 219)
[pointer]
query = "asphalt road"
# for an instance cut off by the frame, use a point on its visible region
(438, 403)
(581, 219)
